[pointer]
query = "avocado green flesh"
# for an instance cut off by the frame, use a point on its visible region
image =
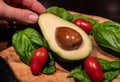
(48, 24)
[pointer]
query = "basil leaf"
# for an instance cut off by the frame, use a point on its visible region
(107, 35)
(109, 76)
(79, 75)
(61, 12)
(25, 42)
(109, 65)
(49, 67)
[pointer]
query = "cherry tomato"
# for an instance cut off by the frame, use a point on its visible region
(93, 69)
(39, 58)
(84, 24)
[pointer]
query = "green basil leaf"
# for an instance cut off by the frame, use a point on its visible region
(61, 12)
(106, 66)
(109, 76)
(109, 65)
(25, 42)
(49, 67)
(107, 35)
(79, 75)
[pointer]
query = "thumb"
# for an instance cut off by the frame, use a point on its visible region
(21, 15)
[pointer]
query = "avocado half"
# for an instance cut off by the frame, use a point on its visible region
(49, 23)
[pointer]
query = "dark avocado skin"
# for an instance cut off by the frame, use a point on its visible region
(6, 73)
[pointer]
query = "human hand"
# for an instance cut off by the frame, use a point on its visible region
(21, 10)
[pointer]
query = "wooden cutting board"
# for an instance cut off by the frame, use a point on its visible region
(24, 74)
(22, 71)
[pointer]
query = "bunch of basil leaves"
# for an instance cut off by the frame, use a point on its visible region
(26, 41)
(111, 70)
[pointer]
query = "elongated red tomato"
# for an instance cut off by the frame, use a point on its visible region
(93, 69)
(39, 58)
(85, 25)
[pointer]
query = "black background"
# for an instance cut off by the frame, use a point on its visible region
(105, 8)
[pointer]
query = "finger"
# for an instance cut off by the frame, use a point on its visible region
(21, 15)
(31, 4)
(34, 5)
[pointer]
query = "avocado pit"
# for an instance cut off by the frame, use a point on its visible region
(68, 38)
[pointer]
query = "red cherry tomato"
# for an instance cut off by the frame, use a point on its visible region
(39, 58)
(93, 69)
(85, 25)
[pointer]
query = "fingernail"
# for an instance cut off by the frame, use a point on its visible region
(33, 18)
